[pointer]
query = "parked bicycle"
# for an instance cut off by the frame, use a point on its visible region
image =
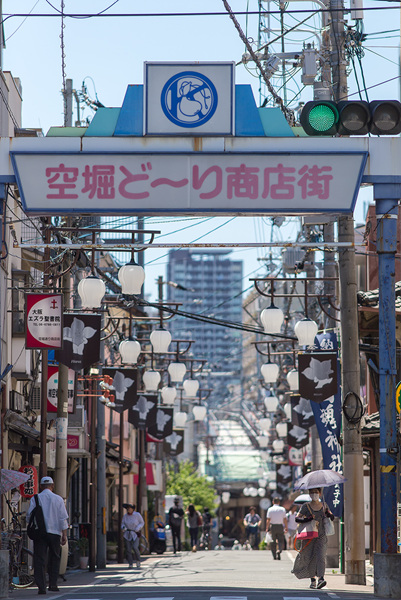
(21, 558)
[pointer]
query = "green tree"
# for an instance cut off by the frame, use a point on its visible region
(193, 488)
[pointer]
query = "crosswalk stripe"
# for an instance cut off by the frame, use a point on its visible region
(228, 598)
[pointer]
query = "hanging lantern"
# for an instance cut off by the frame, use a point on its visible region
(245, 491)
(180, 418)
(281, 429)
(91, 291)
(191, 387)
(263, 441)
(253, 492)
(151, 380)
(265, 424)
(306, 331)
(169, 395)
(264, 455)
(262, 482)
(270, 475)
(271, 403)
(131, 276)
(129, 350)
(160, 340)
(270, 372)
(272, 318)
(272, 485)
(278, 445)
(261, 492)
(225, 497)
(293, 379)
(288, 410)
(177, 371)
(199, 412)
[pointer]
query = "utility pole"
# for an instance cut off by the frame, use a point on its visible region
(354, 523)
(43, 386)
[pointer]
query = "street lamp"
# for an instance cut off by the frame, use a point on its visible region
(306, 331)
(180, 418)
(288, 410)
(160, 340)
(270, 372)
(199, 412)
(131, 276)
(271, 403)
(225, 497)
(151, 380)
(253, 492)
(265, 424)
(191, 387)
(129, 350)
(293, 379)
(91, 290)
(177, 371)
(169, 395)
(263, 441)
(272, 318)
(281, 429)
(261, 492)
(278, 445)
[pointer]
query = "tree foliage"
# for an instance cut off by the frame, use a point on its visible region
(193, 488)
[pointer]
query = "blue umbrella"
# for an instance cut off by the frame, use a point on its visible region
(319, 479)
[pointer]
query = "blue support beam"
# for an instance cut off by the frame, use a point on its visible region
(387, 196)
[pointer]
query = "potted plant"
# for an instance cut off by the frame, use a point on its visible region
(111, 550)
(83, 545)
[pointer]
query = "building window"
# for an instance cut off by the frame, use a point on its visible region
(20, 280)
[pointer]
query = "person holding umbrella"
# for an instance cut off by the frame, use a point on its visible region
(311, 560)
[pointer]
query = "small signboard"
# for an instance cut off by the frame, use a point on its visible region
(30, 487)
(52, 389)
(44, 321)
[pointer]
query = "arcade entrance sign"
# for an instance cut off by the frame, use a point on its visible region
(187, 182)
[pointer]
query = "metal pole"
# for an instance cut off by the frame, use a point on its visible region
(387, 198)
(121, 491)
(354, 521)
(92, 484)
(43, 386)
(101, 484)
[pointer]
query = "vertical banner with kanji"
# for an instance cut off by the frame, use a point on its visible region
(328, 422)
(30, 487)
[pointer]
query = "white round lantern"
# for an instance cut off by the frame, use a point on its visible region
(199, 412)
(261, 492)
(272, 485)
(271, 403)
(191, 387)
(270, 475)
(245, 491)
(129, 350)
(306, 331)
(272, 318)
(278, 445)
(160, 340)
(169, 394)
(270, 372)
(225, 497)
(288, 410)
(151, 380)
(180, 418)
(91, 291)
(253, 492)
(265, 424)
(264, 455)
(281, 429)
(177, 371)
(131, 277)
(263, 441)
(293, 379)
(262, 482)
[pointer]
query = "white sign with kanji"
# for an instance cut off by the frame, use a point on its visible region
(200, 183)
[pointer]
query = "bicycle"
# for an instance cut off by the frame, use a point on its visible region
(21, 558)
(143, 545)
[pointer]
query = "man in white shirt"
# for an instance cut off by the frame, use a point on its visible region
(131, 524)
(276, 523)
(48, 547)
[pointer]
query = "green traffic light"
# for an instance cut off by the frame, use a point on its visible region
(322, 117)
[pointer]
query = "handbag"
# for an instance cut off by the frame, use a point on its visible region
(328, 526)
(309, 530)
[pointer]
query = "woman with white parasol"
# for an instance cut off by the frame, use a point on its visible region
(311, 560)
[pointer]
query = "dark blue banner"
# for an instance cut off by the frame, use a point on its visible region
(328, 421)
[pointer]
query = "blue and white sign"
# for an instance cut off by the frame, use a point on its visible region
(189, 99)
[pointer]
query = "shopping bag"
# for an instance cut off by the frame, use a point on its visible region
(328, 526)
(268, 537)
(309, 531)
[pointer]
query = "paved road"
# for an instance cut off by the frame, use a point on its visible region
(214, 575)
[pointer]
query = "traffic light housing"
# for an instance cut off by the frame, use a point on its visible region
(380, 117)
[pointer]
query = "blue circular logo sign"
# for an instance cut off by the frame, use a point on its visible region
(189, 99)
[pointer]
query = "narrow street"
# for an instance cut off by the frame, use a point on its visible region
(214, 575)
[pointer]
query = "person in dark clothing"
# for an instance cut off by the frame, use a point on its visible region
(175, 516)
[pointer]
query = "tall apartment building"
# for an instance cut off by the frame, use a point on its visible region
(209, 284)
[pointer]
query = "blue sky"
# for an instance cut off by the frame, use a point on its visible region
(108, 54)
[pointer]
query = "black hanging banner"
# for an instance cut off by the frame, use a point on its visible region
(301, 412)
(173, 444)
(123, 387)
(297, 437)
(81, 337)
(317, 375)
(143, 411)
(163, 423)
(283, 479)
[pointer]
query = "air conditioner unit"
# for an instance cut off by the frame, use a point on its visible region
(17, 402)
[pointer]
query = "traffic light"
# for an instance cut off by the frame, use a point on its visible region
(380, 117)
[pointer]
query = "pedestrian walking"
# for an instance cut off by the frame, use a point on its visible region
(311, 560)
(131, 524)
(291, 525)
(194, 521)
(276, 524)
(47, 549)
(175, 516)
(252, 522)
